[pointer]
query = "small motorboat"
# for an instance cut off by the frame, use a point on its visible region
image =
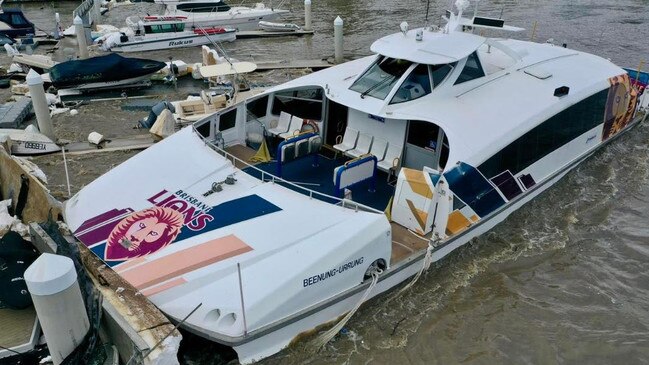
(28, 141)
(149, 35)
(278, 27)
(103, 72)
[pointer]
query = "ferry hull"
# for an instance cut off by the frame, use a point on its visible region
(268, 341)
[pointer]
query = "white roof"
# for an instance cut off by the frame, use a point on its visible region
(435, 48)
(481, 116)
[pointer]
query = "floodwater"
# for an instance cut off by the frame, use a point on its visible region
(563, 280)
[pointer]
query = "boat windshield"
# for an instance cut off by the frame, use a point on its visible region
(380, 78)
(421, 81)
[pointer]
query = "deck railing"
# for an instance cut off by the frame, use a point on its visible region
(268, 177)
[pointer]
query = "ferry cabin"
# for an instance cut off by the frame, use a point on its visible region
(445, 132)
(494, 117)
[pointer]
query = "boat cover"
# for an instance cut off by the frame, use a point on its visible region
(16, 255)
(107, 68)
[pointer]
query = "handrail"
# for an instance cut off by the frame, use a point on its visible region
(345, 203)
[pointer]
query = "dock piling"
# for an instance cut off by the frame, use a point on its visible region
(81, 37)
(338, 40)
(307, 14)
(53, 286)
(37, 93)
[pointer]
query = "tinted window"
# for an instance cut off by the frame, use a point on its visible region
(18, 19)
(416, 85)
(305, 103)
(439, 72)
(204, 129)
(547, 137)
(257, 108)
(204, 7)
(379, 79)
(228, 120)
(472, 69)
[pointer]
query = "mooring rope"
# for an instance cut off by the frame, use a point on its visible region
(324, 338)
(428, 259)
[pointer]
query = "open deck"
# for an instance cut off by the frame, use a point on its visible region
(312, 178)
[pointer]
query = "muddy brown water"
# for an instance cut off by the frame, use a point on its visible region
(563, 280)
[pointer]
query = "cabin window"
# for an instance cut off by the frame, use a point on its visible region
(438, 73)
(204, 7)
(18, 19)
(416, 85)
(547, 137)
(228, 120)
(381, 77)
(472, 69)
(304, 103)
(204, 129)
(257, 108)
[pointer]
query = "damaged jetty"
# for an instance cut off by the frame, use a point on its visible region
(66, 289)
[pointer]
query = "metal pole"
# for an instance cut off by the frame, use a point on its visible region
(37, 93)
(65, 165)
(81, 37)
(338, 40)
(243, 306)
(307, 14)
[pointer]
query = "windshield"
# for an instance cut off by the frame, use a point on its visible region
(379, 79)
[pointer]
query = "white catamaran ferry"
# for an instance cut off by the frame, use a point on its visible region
(381, 165)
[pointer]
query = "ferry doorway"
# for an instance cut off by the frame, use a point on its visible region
(426, 145)
(336, 122)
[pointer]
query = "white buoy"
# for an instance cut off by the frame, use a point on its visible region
(52, 283)
(338, 40)
(37, 93)
(307, 14)
(81, 37)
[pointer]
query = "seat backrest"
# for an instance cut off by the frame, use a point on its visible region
(378, 148)
(393, 152)
(296, 125)
(350, 136)
(364, 142)
(284, 121)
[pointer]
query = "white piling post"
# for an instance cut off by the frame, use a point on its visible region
(57, 32)
(37, 92)
(96, 7)
(338, 40)
(307, 14)
(52, 284)
(81, 37)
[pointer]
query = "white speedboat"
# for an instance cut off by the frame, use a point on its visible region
(28, 142)
(449, 130)
(217, 13)
(278, 27)
(169, 34)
